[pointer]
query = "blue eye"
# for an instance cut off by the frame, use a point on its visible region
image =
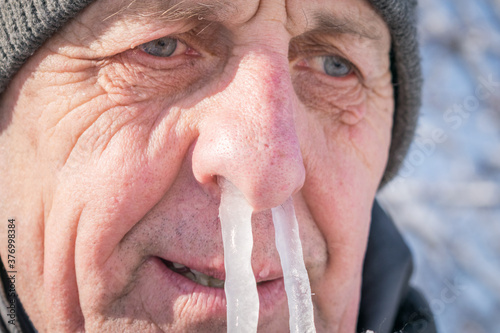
(163, 47)
(336, 66)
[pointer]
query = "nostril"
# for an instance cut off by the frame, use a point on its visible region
(210, 187)
(266, 176)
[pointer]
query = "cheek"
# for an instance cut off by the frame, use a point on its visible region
(114, 183)
(119, 171)
(313, 242)
(346, 127)
(107, 174)
(344, 165)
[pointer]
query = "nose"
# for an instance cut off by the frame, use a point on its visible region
(248, 135)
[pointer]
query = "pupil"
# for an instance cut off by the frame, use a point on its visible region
(336, 67)
(163, 47)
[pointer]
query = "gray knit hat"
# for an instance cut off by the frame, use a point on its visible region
(26, 24)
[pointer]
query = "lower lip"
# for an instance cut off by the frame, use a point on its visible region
(212, 301)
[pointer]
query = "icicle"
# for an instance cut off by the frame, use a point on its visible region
(241, 289)
(297, 286)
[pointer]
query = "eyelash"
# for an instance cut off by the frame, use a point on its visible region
(172, 61)
(315, 62)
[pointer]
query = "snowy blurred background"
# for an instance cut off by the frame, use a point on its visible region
(446, 199)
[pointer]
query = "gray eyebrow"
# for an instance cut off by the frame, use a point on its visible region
(178, 10)
(331, 24)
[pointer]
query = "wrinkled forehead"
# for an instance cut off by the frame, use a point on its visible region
(355, 17)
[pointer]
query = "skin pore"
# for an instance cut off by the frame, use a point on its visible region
(113, 143)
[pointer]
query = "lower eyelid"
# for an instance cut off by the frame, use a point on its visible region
(323, 95)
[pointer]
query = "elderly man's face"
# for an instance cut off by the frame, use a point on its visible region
(114, 133)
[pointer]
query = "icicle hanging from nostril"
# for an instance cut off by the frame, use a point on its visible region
(242, 297)
(297, 286)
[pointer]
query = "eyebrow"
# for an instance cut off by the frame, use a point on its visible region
(332, 24)
(179, 10)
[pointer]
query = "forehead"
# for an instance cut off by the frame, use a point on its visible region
(347, 16)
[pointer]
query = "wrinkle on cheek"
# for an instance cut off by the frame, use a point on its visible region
(59, 279)
(380, 103)
(62, 145)
(353, 120)
(68, 102)
(365, 143)
(315, 251)
(118, 150)
(370, 141)
(133, 76)
(359, 147)
(79, 129)
(125, 85)
(136, 132)
(380, 119)
(344, 102)
(380, 86)
(57, 86)
(129, 126)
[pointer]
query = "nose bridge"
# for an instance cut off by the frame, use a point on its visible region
(266, 103)
(250, 136)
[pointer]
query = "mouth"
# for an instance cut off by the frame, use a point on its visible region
(203, 293)
(194, 275)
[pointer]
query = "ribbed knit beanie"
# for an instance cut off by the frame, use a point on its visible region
(26, 24)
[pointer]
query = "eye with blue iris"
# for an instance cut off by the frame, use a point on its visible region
(336, 66)
(164, 47)
(330, 65)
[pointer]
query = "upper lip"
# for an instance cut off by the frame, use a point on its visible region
(215, 268)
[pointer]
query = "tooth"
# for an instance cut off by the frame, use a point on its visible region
(206, 280)
(176, 265)
(202, 279)
(190, 276)
(196, 276)
(216, 283)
